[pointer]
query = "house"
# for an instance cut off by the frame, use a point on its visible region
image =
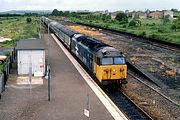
(140, 14)
(129, 14)
(82, 11)
(114, 14)
(101, 12)
(155, 15)
(31, 57)
(168, 13)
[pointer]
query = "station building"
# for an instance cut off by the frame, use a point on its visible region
(31, 57)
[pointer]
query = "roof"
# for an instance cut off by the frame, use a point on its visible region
(66, 30)
(31, 44)
(2, 39)
(3, 57)
(108, 52)
(4, 50)
(92, 43)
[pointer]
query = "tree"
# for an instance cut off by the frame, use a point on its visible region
(122, 18)
(28, 20)
(61, 13)
(176, 24)
(55, 12)
(105, 17)
(66, 13)
(174, 10)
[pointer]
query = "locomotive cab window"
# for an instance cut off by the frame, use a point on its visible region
(107, 61)
(119, 60)
(98, 60)
(111, 61)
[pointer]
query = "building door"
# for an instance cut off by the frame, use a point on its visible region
(24, 62)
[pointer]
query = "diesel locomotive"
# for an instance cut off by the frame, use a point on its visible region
(102, 60)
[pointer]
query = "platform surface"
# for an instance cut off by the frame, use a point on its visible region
(68, 95)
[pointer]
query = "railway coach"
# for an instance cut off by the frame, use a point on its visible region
(104, 61)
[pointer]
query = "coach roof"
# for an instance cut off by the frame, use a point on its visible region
(66, 30)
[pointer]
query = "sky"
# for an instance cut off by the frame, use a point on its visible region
(92, 5)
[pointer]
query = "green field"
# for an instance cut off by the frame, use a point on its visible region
(17, 28)
(150, 28)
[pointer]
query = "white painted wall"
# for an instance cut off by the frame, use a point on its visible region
(34, 58)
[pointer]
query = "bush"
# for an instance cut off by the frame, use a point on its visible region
(122, 18)
(143, 34)
(153, 36)
(106, 26)
(173, 27)
(28, 20)
(153, 24)
(162, 30)
(124, 26)
(135, 23)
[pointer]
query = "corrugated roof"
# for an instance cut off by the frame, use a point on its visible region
(31, 44)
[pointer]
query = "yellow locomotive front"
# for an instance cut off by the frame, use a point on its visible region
(110, 66)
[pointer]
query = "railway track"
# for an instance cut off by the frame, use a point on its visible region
(150, 41)
(153, 89)
(132, 111)
(135, 69)
(130, 108)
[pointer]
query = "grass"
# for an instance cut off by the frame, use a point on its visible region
(150, 28)
(1, 69)
(17, 28)
(2, 66)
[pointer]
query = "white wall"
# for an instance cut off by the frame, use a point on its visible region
(31, 58)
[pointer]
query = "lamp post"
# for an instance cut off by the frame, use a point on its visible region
(49, 70)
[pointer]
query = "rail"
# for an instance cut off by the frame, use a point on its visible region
(167, 98)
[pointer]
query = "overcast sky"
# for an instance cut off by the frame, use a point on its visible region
(93, 5)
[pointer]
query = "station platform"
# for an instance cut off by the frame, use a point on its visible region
(69, 95)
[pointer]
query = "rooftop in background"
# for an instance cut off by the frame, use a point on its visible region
(2, 39)
(3, 57)
(31, 44)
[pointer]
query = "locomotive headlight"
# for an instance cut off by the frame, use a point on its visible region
(114, 70)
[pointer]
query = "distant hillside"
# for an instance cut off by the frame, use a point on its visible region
(27, 11)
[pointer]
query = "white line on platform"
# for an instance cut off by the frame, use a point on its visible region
(110, 106)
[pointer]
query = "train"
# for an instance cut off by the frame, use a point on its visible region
(105, 62)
